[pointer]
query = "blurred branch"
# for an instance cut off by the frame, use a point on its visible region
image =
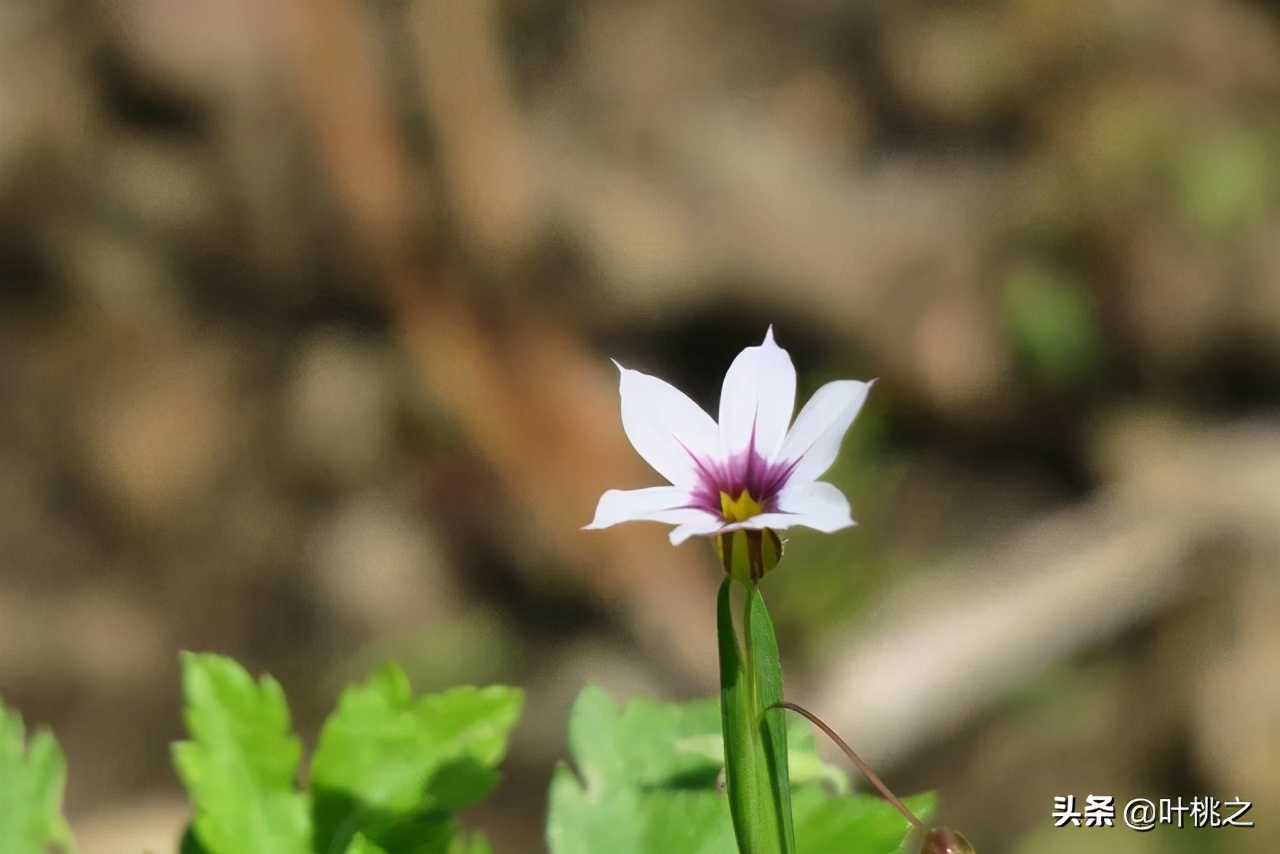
(534, 400)
(44, 108)
(480, 140)
(933, 660)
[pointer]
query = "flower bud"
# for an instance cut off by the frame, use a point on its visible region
(747, 555)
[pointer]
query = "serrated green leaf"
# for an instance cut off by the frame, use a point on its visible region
(241, 763)
(32, 778)
(647, 781)
(396, 767)
(637, 792)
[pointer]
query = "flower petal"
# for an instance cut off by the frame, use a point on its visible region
(757, 399)
(706, 525)
(814, 505)
(814, 440)
(668, 504)
(665, 427)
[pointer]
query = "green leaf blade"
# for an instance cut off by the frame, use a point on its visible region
(771, 722)
(754, 742)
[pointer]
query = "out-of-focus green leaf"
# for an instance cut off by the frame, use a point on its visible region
(854, 823)
(1224, 182)
(32, 778)
(1050, 318)
(360, 844)
(474, 843)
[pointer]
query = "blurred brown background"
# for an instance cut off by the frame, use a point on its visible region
(306, 310)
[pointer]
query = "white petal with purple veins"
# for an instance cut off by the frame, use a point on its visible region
(814, 505)
(665, 426)
(747, 462)
(758, 398)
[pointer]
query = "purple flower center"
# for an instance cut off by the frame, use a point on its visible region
(747, 471)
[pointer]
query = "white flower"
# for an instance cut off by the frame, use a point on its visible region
(747, 472)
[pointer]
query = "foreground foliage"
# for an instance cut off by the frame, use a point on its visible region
(392, 770)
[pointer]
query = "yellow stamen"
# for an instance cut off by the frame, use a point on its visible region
(739, 509)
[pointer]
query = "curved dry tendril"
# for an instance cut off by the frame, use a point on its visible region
(855, 759)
